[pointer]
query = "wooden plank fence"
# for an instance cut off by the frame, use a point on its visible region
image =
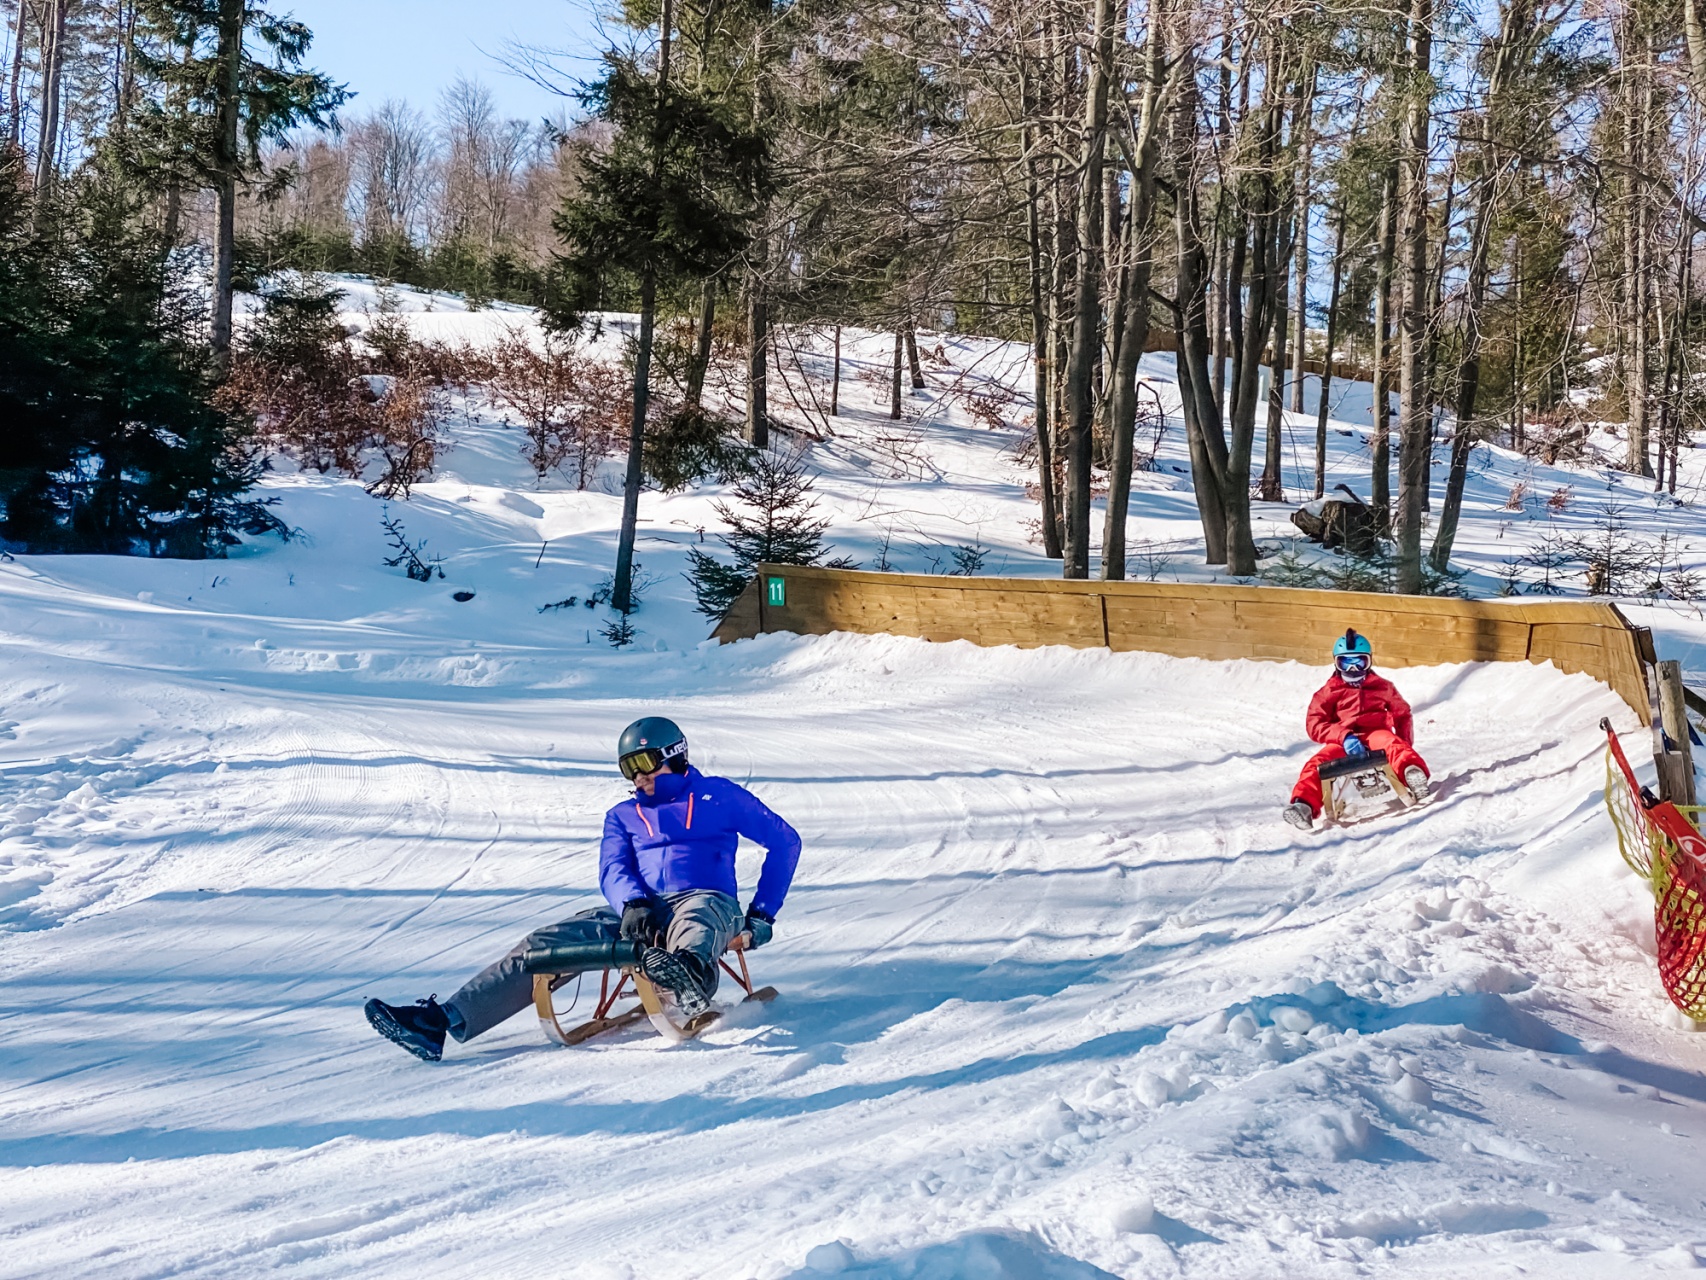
(1201, 621)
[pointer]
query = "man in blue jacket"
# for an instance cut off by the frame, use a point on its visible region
(667, 868)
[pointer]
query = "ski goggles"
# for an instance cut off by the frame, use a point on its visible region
(1353, 664)
(649, 759)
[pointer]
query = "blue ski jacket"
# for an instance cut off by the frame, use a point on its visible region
(684, 837)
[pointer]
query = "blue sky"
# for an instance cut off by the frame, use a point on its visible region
(411, 49)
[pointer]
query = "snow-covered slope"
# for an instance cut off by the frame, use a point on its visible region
(1061, 996)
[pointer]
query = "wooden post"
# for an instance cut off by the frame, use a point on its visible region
(1676, 759)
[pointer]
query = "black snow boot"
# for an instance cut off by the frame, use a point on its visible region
(418, 1027)
(683, 975)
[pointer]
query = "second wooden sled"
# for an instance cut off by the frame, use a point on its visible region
(1368, 775)
(650, 1003)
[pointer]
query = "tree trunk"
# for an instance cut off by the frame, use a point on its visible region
(1087, 311)
(1228, 271)
(52, 97)
(916, 369)
(1415, 416)
(1272, 487)
(1516, 23)
(701, 362)
(1063, 249)
(124, 66)
(622, 582)
(1204, 433)
(1639, 461)
(1662, 452)
(1238, 259)
(1258, 322)
(1380, 488)
(15, 78)
(1305, 174)
(1519, 360)
(1694, 32)
(835, 379)
(174, 213)
(1327, 357)
(1134, 304)
(757, 359)
(233, 15)
(1220, 272)
(622, 587)
(1040, 380)
(1436, 307)
(1674, 348)
(894, 386)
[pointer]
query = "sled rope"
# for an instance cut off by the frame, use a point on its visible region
(1661, 843)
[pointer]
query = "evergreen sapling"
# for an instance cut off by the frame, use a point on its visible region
(773, 522)
(409, 554)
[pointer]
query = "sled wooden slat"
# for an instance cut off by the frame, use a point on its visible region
(651, 1004)
(544, 984)
(1333, 779)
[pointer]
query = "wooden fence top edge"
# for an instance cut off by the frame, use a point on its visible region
(1532, 611)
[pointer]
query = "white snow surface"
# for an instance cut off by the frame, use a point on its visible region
(1062, 997)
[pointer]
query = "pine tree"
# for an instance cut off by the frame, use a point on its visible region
(111, 441)
(215, 104)
(669, 200)
(775, 523)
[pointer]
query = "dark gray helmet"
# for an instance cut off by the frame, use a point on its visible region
(650, 743)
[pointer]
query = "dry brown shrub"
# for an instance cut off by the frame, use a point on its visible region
(988, 410)
(311, 396)
(408, 415)
(573, 409)
(1560, 499)
(1519, 495)
(311, 413)
(1557, 435)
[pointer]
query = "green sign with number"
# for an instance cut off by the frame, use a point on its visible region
(778, 592)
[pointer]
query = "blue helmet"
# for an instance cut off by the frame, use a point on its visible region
(1351, 642)
(1352, 657)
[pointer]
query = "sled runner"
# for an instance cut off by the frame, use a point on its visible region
(1366, 776)
(619, 979)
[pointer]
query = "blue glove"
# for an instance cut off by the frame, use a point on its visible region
(760, 927)
(1354, 745)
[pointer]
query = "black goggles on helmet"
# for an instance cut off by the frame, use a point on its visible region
(1353, 664)
(649, 759)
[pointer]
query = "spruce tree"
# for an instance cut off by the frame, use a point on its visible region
(775, 523)
(668, 200)
(215, 104)
(111, 441)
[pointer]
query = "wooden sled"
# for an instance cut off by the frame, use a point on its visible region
(652, 1004)
(1367, 775)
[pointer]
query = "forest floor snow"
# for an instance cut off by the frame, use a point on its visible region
(1062, 997)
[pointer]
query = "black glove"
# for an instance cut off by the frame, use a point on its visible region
(760, 926)
(642, 921)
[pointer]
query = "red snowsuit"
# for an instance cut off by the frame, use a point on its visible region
(1374, 710)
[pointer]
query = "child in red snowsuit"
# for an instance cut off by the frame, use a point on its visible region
(1354, 713)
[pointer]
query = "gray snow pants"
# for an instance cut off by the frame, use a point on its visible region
(701, 921)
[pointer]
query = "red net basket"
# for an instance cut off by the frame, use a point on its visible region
(1663, 845)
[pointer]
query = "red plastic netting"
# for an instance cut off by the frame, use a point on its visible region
(1659, 841)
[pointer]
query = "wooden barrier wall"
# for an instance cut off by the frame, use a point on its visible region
(1200, 621)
